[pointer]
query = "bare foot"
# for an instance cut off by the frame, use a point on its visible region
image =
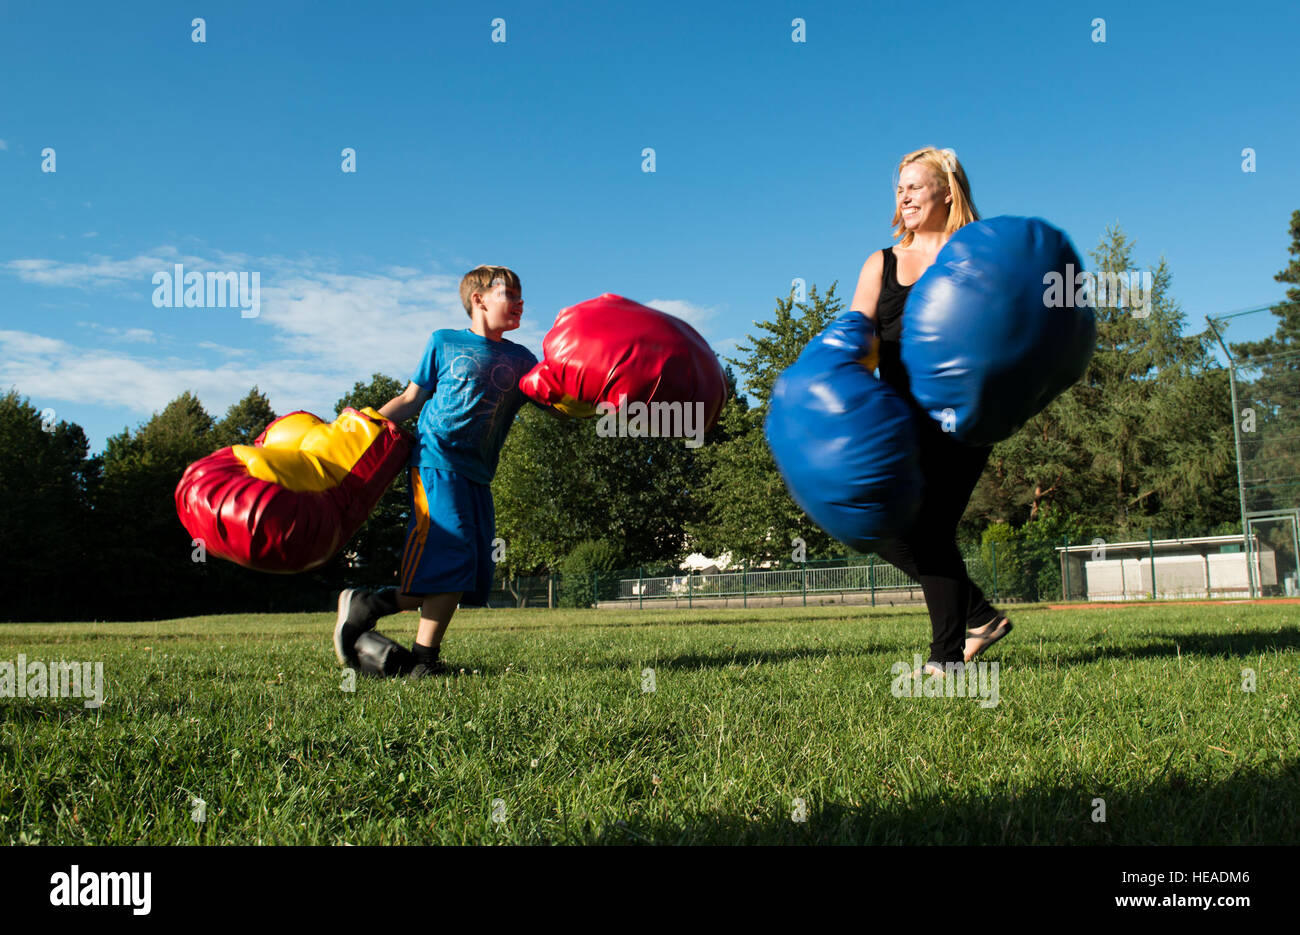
(982, 638)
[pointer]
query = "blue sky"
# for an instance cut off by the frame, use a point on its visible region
(774, 160)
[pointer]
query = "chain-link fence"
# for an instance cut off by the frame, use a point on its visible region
(1264, 379)
(1169, 564)
(865, 580)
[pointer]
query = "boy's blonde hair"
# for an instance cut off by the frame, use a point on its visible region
(481, 278)
(946, 168)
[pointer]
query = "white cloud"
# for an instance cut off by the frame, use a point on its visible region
(318, 332)
(3, 145)
(358, 323)
(697, 316)
(351, 321)
(25, 343)
(91, 234)
(46, 368)
(132, 335)
(99, 271)
(223, 349)
(726, 347)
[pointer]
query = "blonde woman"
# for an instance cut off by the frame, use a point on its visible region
(932, 200)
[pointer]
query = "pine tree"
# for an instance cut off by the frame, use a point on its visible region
(1143, 439)
(48, 481)
(244, 420)
(143, 553)
(1269, 386)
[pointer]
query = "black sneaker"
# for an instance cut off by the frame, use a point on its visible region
(359, 611)
(424, 670)
(382, 657)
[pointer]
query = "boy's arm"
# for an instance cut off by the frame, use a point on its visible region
(400, 408)
(550, 410)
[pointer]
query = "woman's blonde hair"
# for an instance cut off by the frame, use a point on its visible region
(946, 168)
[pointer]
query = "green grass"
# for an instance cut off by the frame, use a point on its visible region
(1140, 706)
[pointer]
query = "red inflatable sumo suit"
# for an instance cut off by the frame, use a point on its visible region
(610, 346)
(289, 501)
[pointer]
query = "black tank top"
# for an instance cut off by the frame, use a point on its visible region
(889, 316)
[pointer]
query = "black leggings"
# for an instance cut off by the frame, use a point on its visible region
(928, 552)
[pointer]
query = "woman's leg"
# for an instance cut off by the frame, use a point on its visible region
(951, 471)
(979, 612)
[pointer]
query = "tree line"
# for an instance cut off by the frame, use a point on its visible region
(1143, 441)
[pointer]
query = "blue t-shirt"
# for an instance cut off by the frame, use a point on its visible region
(475, 387)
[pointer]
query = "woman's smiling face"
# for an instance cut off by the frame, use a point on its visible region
(922, 199)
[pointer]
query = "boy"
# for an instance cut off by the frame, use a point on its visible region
(466, 390)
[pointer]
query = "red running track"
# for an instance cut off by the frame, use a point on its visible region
(1112, 604)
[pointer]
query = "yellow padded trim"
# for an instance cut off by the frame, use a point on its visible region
(303, 453)
(575, 408)
(872, 360)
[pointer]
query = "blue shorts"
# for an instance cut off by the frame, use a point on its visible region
(449, 537)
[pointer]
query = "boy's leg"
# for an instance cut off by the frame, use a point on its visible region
(447, 559)
(376, 654)
(359, 609)
(436, 611)
(435, 615)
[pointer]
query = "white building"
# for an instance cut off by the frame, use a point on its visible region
(1203, 566)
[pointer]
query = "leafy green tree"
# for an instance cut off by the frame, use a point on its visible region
(1000, 556)
(747, 510)
(144, 553)
(1142, 439)
(244, 421)
(374, 555)
(580, 573)
(1037, 542)
(1027, 564)
(48, 482)
(1269, 386)
(559, 483)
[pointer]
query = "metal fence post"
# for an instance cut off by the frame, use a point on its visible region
(871, 580)
(640, 589)
(1065, 578)
(744, 582)
(1151, 545)
(690, 595)
(1248, 546)
(803, 566)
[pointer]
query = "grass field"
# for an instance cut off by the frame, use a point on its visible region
(549, 737)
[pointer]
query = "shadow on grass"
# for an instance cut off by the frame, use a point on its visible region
(724, 658)
(60, 711)
(1250, 808)
(1225, 645)
(877, 654)
(749, 657)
